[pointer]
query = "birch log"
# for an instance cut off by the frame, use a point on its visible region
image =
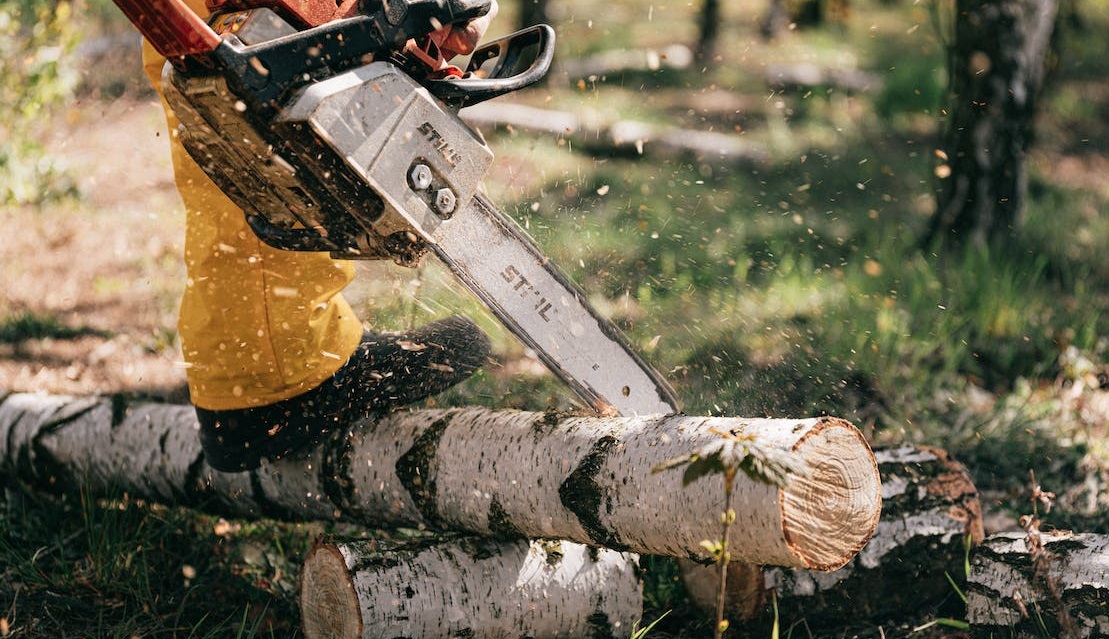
(497, 473)
(494, 589)
(930, 509)
(1067, 596)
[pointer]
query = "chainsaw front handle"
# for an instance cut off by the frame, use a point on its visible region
(262, 74)
(499, 67)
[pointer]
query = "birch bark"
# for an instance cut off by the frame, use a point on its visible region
(495, 473)
(930, 509)
(1066, 596)
(497, 589)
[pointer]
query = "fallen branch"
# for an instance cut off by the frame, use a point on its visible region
(584, 479)
(621, 136)
(811, 76)
(618, 61)
(468, 588)
(930, 509)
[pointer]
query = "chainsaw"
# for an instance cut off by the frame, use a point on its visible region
(334, 126)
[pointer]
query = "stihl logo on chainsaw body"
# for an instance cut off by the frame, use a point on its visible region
(437, 140)
(527, 290)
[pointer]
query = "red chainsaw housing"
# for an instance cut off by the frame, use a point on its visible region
(171, 26)
(177, 31)
(302, 14)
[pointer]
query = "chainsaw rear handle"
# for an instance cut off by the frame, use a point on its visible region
(171, 26)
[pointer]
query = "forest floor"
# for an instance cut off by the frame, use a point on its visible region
(107, 269)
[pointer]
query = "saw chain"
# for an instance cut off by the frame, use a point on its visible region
(335, 127)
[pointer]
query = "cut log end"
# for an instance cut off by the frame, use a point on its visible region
(930, 509)
(830, 514)
(327, 596)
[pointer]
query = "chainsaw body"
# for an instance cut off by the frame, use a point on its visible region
(335, 137)
(285, 161)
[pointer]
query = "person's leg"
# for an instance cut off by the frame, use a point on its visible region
(385, 370)
(274, 353)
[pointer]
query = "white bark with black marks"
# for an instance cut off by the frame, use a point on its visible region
(584, 479)
(469, 588)
(1009, 595)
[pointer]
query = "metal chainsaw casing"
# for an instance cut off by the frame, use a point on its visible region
(315, 206)
(375, 120)
(423, 161)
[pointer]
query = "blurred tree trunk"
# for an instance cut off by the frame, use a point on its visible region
(708, 31)
(775, 21)
(533, 12)
(997, 64)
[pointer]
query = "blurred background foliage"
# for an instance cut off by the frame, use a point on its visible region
(37, 74)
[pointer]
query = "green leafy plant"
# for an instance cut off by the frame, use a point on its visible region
(37, 74)
(733, 452)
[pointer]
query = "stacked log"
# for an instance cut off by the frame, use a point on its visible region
(1058, 587)
(930, 513)
(583, 480)
(356, 590)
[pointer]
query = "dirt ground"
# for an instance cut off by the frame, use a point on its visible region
(103, 274)
(106, 267)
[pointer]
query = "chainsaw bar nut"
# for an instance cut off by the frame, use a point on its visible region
(419, 177)
(445, 201)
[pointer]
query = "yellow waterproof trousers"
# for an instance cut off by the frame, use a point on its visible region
(257, 325)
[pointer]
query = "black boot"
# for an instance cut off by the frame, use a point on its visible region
(386, 370)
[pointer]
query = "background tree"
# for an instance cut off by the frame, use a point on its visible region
(37, 77)
(997, 62)
(708, 26)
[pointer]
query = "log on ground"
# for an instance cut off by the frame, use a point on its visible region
(494, 473)
(470, 587)
(930, 510)
(621, 137)
(1063, 593)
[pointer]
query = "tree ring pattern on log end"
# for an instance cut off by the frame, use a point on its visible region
(328, 597)
(812, 507)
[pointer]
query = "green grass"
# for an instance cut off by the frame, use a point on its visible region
(25, 325)
(793, 288)
(77, 566)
